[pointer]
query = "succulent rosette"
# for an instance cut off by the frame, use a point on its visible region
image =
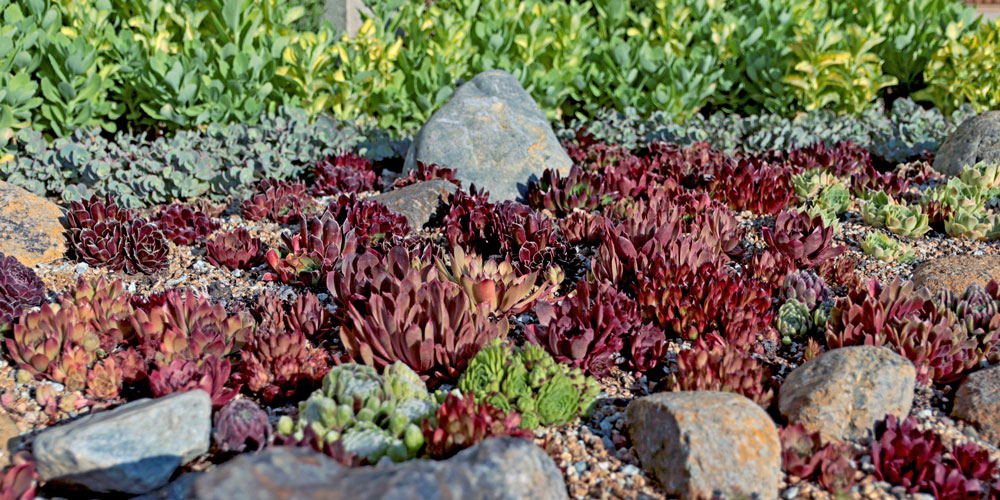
(20, 289)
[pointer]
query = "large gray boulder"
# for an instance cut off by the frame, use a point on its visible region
(976, 139)
(131, 449)
(496, 469)
(701, 443)
(844, 392)
(493, 134)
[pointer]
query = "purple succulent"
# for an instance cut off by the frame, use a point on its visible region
(241, 425)
(20, 289)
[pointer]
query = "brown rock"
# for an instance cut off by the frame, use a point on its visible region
(8, 439)
(843, 392)
(976, 139)
(29, 226)
(417, 202)
(697, 443)
(978, 402)
(957, 272)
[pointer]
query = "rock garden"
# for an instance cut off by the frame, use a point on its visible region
(499, 249)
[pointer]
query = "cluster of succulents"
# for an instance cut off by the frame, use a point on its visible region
(721, 367)
(371, 415)
(914, 323)
(346, 173)
(494, 285)
(562, 195)
(210, 374)
(373, 223)
(805, 306)
(103, 234)
(806, 456)
(526, 379)
(241, 425)
(20, 289)
(461, 422)
(309, 254)
(427, 172)
(184, 225)
(425, 323)
(278, 361)
(589, 329)
(884, 248)
(235, 249)
(278, 201)
(919, 461)
(74, 340)
(801, 238)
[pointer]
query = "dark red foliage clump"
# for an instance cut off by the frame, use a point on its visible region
(209, 374)
(308, 255)
(562, 195)
(427, 172)
(102, 234)
(460, 422)
(803, 239)
(235, 249)
(20, 480)
(184, 225)
(347, 173)
(842, 159)
(870, 179)
(278, 201)
(912, 323)
(588, 329)
(241, 426)
(903, 455)
(278, 361)
(374, 224)
(20, 289)
(804, 455)
(721, 367)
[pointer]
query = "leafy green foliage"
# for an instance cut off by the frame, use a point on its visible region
(963, 70)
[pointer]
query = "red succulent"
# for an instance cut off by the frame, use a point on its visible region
(278, 201)
(316, 249)
(241, 425)
(805, 240)
(184, 225)
(562, 195)
(426, 324)
(209, 374)
(347, 173)
(427, 172)
(374, 224)
(20, 289)
(235, 249)
(20, 480)
(460, 422)
(146, 250)
(722, 368)
(588, 329)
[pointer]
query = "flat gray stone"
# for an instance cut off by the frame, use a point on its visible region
(417, 202)
(976, 139)
(844, 392)
(978, 402)
(493, 134)
(133, 449)
(496, 469)
(699, 443)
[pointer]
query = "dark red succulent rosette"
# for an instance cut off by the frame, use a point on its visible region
(20, 288)
(102, 245)
(347, 173)
(235, 249)
(184, 225)
(146, 251)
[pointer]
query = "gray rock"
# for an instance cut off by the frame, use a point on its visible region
(978, 403)
(698, 443)
(976, 139)
(844, 392)
(133, 449)
(417, 202)
(499, 468)
(493, 134)
(345, 15)
(178, 489)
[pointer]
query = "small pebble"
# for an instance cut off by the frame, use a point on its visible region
(630, 470)
(790, 493)
(580, 466)
(81, 268)
(200, 265)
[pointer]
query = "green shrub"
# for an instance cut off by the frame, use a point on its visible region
(964, 71)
